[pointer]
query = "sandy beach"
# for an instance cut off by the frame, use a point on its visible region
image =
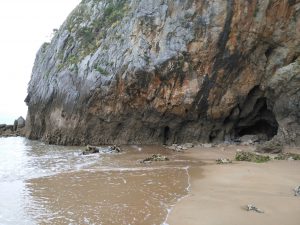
(220, 193)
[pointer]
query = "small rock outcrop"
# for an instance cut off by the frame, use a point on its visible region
(169, 71)
(17, 129)
(90, 150)
(95, 149)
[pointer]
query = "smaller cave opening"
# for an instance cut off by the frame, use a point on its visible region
(166, 134)
(262, 128)
(259, 121)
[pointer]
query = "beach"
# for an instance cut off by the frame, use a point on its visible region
(50, 184)
(219, 194)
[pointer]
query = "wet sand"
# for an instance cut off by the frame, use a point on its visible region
(219, 193)
(48, 184)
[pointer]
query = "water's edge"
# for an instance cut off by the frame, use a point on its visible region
(56, 184)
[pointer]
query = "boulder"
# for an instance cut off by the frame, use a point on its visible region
(114, 148)
(95, 149)
(90, 150)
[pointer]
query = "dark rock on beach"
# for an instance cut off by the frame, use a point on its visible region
(90, 150)
(95, 149)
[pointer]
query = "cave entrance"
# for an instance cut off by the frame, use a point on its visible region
(166, 135)
(259, 121)
(262, 128)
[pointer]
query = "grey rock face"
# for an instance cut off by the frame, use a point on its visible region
(162, 71)
(21, 122)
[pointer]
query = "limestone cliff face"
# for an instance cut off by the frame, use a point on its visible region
(165, 71)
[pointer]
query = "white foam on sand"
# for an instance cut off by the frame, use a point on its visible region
(188, 189)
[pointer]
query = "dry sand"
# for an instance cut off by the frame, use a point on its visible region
(219, 193)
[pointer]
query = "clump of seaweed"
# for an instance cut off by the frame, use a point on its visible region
(251, 157)
(286, 156)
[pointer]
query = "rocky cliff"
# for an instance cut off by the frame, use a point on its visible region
(167, 71)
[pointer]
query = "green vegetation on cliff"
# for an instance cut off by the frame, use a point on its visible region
(89, 29)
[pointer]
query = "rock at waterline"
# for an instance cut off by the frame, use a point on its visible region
(90, 150)
(114, 148)
(155, 158)
(94, 149)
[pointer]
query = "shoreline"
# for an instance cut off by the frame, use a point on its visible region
(220, 193)
(188, 189)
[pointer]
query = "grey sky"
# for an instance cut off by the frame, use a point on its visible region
(25, 25)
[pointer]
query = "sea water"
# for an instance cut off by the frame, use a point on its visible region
(47, 184)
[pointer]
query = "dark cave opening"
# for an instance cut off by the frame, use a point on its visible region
(166, 135)
(261, 127)
(259, 121)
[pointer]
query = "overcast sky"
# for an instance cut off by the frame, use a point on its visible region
(25, 25)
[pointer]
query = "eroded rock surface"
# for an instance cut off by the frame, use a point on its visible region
(169, 71)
